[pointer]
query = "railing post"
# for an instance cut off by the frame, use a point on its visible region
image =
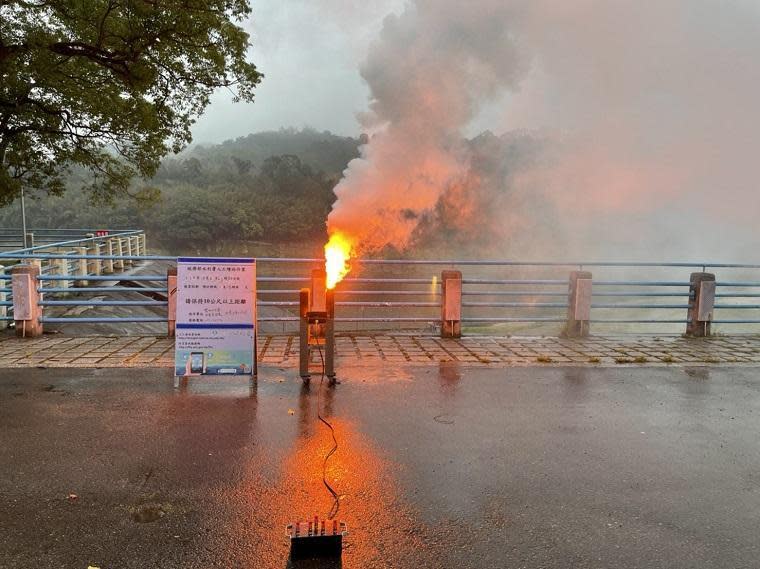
(451, 304)
(3, 298)
(701, 304)
(119, 263)
(30, 239)
(26, 301)
(81, 266)
(143, 243)
(108, 264)
(303, 334)
(579, 304)
(135, 248)
(95, 264)
(129, 262)
(61, 269)
(36, 263)
(171, 287)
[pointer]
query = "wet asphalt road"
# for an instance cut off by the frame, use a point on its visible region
(438, 467)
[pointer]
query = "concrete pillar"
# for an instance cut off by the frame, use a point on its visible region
(129, 253)
(36, 263)
(61, 269)
(303, 334)
(81, 265)
(26, 308)
(95, 265)
(579, 304)
(701, 304)
(143, 244)
(119, 263)
(108, 263)
(135, 247)
(451, 304)
(30, 239)
(4, 283)
(171, 285)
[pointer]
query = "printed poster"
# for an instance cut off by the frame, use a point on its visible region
(216, 316)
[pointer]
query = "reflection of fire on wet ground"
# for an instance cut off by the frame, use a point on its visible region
(378, 520)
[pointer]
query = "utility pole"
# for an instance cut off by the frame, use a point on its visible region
(23, 217)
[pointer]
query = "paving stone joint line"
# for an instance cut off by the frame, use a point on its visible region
(151, 351)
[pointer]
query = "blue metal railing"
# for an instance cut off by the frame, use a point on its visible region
(400, 291)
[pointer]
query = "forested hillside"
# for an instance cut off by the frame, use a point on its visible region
(270, 186)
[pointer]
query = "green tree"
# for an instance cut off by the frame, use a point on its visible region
(110, 85)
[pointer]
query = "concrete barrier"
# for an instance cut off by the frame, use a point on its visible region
(579, 304)
(701, 304)
(108, 267)
(119, 263)
(26, 301)
(61, 269)
(129, 253)
(95, 265)
(451, 304)
(81, 266)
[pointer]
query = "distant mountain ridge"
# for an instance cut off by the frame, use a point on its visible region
(323, 150)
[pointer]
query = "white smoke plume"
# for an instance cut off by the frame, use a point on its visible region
(648, 114)
(428, 74)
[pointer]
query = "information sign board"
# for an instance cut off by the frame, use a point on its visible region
(216, 316)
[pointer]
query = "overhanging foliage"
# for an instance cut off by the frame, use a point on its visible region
(111, 86)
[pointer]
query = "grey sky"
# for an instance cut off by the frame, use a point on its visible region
(652, 105)
(310, 52)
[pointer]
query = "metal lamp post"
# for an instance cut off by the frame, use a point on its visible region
(23, 217)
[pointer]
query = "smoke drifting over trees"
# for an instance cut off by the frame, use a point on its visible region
(624, 117)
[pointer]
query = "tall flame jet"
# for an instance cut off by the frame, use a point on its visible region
(337, 253)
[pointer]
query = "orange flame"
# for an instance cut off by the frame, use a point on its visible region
(337, 253)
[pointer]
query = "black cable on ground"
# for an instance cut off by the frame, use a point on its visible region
(336, 503)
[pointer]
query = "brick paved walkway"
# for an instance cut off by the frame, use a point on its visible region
(149, 351)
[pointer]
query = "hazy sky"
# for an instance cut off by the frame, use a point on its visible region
(310, 53)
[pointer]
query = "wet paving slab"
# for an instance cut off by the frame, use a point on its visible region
(437, 466)
(499, 351)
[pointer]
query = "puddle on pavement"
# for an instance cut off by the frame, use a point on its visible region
(147, 513)
(374, 374)
(697, 373)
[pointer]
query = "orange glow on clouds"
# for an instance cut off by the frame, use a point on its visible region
(337, 254)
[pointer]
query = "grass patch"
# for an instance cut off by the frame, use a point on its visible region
(668, 359)
(544, 359)
(594, 360)
(640, 360)
(623, 361)
(711, 360)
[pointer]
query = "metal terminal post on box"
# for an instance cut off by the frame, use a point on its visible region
(316, 538)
